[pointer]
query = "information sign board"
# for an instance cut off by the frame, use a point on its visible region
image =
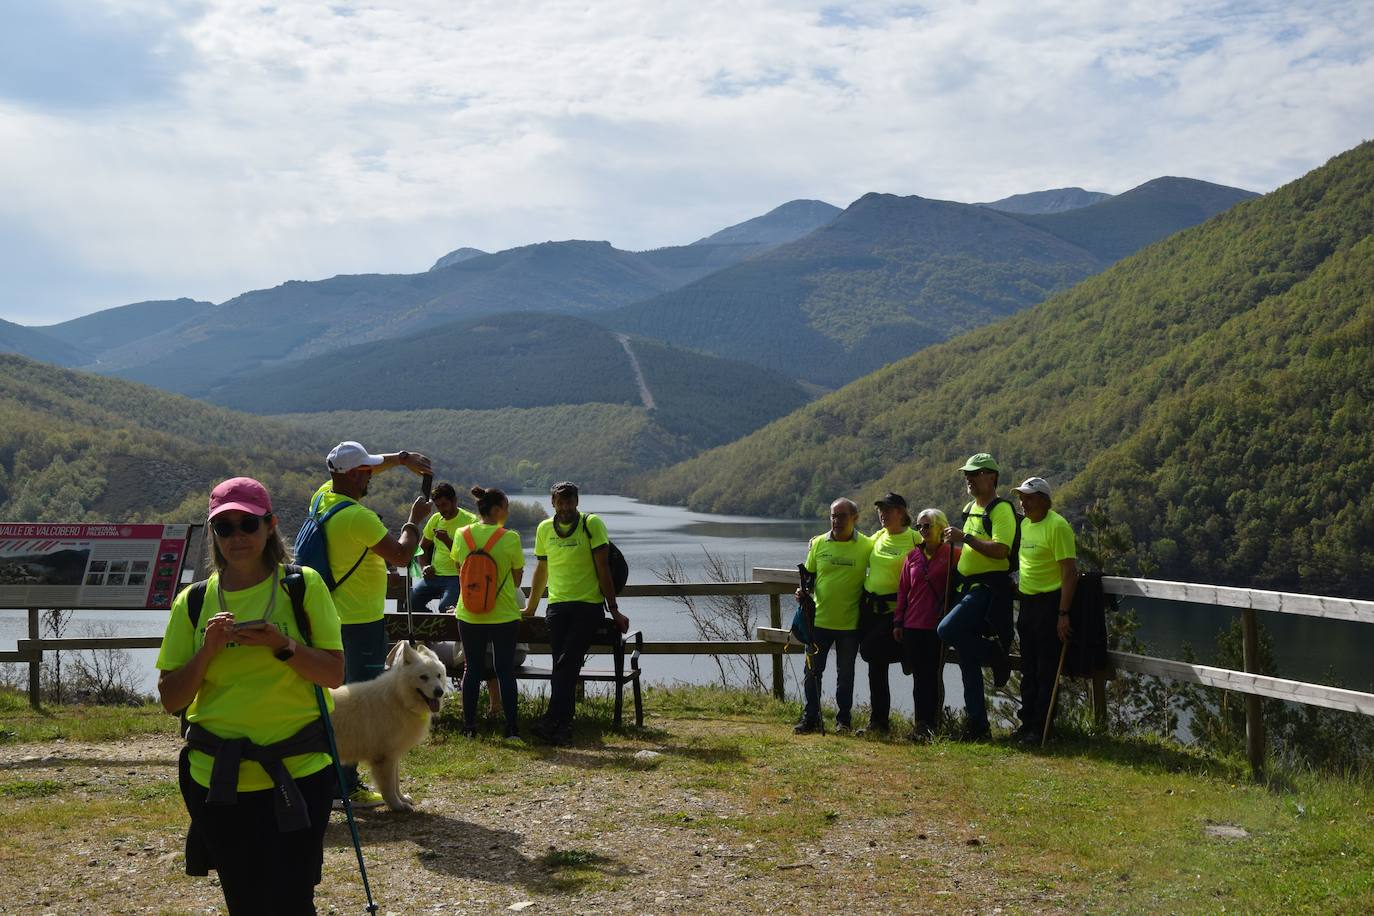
(91, 566)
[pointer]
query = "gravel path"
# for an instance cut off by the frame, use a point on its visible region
(585, 830)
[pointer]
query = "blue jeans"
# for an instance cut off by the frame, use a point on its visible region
(963, 629)
(846, 643)
(365, 647)
(445, 588)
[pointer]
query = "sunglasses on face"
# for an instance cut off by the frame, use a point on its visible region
(224, 528)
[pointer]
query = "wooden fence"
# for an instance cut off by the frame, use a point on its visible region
(773, 640)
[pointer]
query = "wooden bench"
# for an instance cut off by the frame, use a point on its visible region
(534, 631)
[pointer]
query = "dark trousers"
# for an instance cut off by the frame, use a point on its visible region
(923, 649)
(502, 638)
(880, 651)
(572, 624)
(262, 870)
(364, 646)
(846, 643)
(1040, 645)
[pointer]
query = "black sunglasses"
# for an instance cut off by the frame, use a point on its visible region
(248, 524)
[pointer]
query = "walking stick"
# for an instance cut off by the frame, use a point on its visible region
(343, 790)
(1054, 692)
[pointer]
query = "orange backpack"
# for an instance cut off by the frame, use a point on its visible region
(477, 578)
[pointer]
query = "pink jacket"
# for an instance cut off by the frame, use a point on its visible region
(921, 589)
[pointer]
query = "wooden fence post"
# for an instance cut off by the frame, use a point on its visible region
(1254, 710)
(1099, 695)
(775, 621)
(35, 662)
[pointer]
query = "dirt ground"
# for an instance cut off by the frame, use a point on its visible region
(583, 830)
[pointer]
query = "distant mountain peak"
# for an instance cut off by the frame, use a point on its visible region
(457, 256)
(778, 226)
(1054, 200)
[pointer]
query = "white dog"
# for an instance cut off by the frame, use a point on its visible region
(377, 721)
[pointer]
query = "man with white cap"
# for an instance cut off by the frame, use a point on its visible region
(360, 547)
(1049, 575)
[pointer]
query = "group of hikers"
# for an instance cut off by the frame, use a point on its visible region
(256, 769)
(903, 593)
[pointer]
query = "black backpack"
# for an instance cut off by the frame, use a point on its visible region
(620, 569)
(1013, 554)
(293, 582)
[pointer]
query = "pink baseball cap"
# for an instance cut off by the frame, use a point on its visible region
(243, 494)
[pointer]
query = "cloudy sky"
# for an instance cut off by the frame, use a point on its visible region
(160, 149)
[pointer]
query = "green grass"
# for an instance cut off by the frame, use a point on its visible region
(19, 722)
(1092, 824)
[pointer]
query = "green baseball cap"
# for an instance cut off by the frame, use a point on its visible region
(980, 462)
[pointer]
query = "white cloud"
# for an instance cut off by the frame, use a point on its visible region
(307, 139)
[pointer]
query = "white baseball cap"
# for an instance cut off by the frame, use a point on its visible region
(346, 456)
(1034, 485)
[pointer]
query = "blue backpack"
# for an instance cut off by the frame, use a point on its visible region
(313, 550)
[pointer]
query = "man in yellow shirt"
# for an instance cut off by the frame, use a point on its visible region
(1049, 576)
(360, 547)
(839, 561)
(573, 558)
(987, 536)
(438, 572)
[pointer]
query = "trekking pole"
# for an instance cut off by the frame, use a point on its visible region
(343, 790)
(1054, 692)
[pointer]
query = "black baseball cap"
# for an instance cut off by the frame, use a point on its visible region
(891, 499)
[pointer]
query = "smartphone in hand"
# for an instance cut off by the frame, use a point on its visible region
(250, 624)
(426, 482)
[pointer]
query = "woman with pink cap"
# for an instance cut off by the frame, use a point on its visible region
(255, 773)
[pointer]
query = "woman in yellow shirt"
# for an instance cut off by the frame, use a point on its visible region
(256, 774)
(497, 624)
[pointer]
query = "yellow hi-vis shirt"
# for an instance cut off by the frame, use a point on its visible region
(248, 693)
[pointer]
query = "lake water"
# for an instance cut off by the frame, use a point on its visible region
(651, 536)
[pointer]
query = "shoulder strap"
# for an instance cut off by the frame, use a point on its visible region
(467, 539)
(195, 600)
(495, 536)
(294, 583)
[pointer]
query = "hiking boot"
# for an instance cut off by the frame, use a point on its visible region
(976, 736)
(1026, 738)
(363, 797)
(514, 739)
(873, 729)
(842, 728)
(469, 731)
(806, 727)
(921, 735)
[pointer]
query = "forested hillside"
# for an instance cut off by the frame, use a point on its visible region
(522, 360)
(1213, 394)
(15, 338)
(1117, 226)
(892, 275)
(116, 327)
(78, 447)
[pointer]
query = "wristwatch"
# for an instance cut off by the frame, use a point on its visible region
(286, 651)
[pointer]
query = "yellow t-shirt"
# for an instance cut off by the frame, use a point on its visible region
(572, 572)
(508, 556)
(443, 556)
(971, 562)
(885, 562)
(351, 534)
(247, 693)
(840, 567)
(1043, 545)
